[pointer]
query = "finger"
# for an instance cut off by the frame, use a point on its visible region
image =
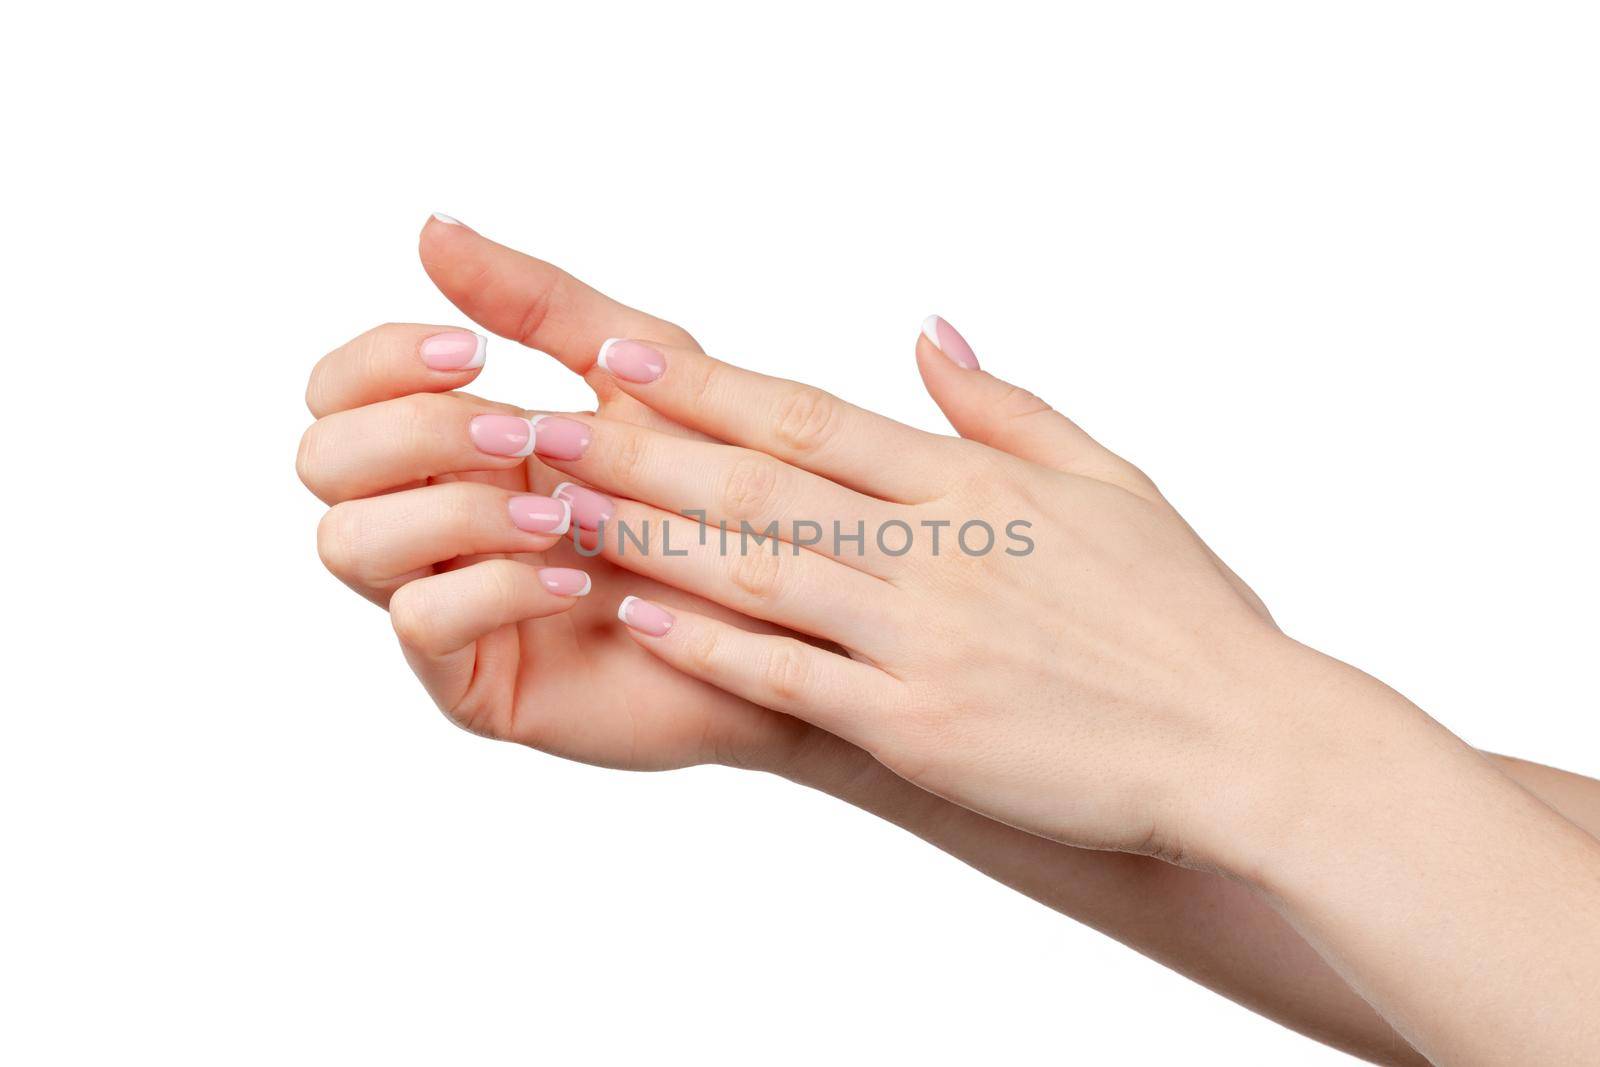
(996, 413)
(529, 300)
(393, 443)
(439, 618)
(796, 423)
(843, 696)
(985, 409)
(394, 360)
(377, 544)
(722, 484)
(760, 577)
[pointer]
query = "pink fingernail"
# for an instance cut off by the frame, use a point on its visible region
(564, 581)
(947, 340)
(644, 616)
(631, 361)
(559, 438)
(502, 435)
(589, 508)
(540, 514)
(456, 350)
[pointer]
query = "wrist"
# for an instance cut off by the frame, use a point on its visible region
(1333, 751)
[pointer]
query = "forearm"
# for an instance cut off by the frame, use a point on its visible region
(1212, 930)
(1462, 906)
(1209, 928)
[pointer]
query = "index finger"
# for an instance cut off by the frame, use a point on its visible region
(531, 301)
(798, 424)
(394, 360)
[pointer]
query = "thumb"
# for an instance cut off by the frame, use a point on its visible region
(996, 413)
(985, 409)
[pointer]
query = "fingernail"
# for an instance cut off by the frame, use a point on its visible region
(589, 508)
(564, 581)
(502, 435)
(632, 361)
(447, 220)
(947, 340)
(540, 514)
(558, 438)
(647, 618)
(456, 350)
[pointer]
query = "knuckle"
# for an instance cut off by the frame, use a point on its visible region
(307, 463)
(784, 671)
(338, 541)
(629, 457)
(409, 616)
(703, 651)
(750, 487)
(317, 389)
(1137, 480)
(459, 506)
(706, 383)
(759, 574)
(1017, 403)
(501, 587)
(805, 419)
(415, 421)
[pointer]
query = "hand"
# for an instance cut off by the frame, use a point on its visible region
(421, 523)
(1087, 669)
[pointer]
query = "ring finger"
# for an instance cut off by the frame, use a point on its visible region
(755, 576)
(376, 545)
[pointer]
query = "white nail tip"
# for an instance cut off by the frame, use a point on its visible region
(566, 521)
(556, 492)
(605, 348)
(527, 450)
(588, 584)
(930, 330)
(477, 357)
(446, 219)
(622, 608)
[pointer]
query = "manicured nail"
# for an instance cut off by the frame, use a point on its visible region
(456, 350)
(558, 438)
(947, 340)
(564, 581)
(647, 618)
(502, 435)
(447, 220)
(632, 361)
(589, 508)
(540, 514)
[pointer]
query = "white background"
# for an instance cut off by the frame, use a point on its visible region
(1328, 272)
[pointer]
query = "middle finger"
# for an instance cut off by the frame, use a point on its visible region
(717, 483)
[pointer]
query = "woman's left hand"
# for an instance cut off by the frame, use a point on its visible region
(1033, 631)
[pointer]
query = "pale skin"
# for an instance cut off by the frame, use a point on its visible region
(1111, 724)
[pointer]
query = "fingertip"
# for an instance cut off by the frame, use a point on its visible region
(568, 583)
(947, 341)
(645, 617)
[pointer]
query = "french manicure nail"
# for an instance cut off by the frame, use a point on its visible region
(589, 508)
(456, 350)
(540, 514)
(558, 438)
(502, 435)
(564, 581)
(947, 340)
(447, 220)
(644, 616)
(632, 361)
